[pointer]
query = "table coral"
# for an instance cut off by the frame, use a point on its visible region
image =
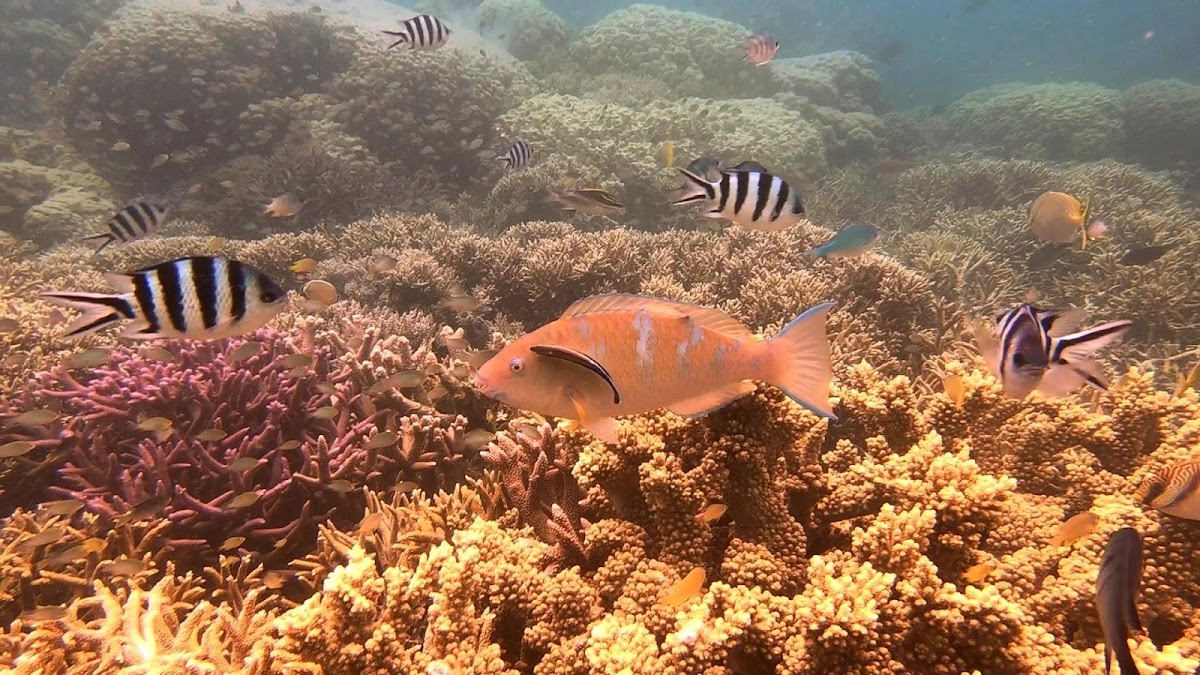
(1076, 120)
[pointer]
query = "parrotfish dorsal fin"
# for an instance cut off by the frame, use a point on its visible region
(707, 317)
(579, 359)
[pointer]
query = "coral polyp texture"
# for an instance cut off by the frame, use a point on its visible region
(843, 547)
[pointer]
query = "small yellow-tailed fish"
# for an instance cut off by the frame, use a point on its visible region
(618, 354)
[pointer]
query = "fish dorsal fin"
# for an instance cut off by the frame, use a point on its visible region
(122, 282)
(707, 317)
(1059, 322)
(700, 406)
(579, 359)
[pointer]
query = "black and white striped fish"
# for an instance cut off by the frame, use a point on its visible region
(1036, 350)
(517, 157)
(202, 298)
(131, 223)
(421, 33)
(752, 199)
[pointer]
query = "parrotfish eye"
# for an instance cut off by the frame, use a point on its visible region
(516, 365)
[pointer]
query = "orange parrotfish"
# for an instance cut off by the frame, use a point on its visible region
(619, 354)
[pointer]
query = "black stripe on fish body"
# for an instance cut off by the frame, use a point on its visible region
(137, 221)
(421, 30)
(144, 295)
(235, 277)
(724, 189)
(766, 192)
(1062, 344)
(204, 278)
(783, 198)
(171, 298)
(741, 183)
(124, 226)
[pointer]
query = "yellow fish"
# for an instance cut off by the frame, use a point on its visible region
(668, 149)
(977, 573)
(685, 589)
(954, 389)
(1174, 490)
(1060, 218)
(1075, 528)
(711, 513)
(612, 355)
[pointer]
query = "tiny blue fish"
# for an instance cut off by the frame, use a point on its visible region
(850, 242)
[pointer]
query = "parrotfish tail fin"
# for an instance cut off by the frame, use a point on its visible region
(800, 362)
(105, 240)
(99, 310)
(697, 189)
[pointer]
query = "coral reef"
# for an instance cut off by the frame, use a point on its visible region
(1161, 123)
(1076, 120)
(166, 82)
(48, 194)
(527, 29)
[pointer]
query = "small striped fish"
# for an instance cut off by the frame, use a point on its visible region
(421, 33)
(517, 157)
(760, 49)
(130, 224)
(202, 298)
(752, 199)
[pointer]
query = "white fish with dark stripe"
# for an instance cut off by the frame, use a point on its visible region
(752, 199)
(1036, 350)
(421, 33)
(202, 298)
(517, 157)
(131, 223)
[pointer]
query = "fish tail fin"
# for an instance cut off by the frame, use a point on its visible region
(800, 362)
(99, 310)
(697, 189)
(104, 239)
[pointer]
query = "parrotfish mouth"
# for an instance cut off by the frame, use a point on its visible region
(487, 389)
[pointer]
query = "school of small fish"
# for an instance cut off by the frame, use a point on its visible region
(614, 355)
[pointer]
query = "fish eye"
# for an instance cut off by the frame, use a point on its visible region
(268, 296)
(516, 365)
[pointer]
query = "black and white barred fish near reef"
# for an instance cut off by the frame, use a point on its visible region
(131, 223)
(518, 156)
(753, 199)
(421, 33)
(202, 298)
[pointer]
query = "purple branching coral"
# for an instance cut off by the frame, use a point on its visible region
(269, 435)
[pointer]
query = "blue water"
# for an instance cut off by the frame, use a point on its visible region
(947, 51)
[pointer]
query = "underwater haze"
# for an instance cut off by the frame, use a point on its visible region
(532, 336)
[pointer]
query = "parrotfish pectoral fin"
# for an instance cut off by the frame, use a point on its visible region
(579, 359)
(604, 428)
(700, 406)
(801, 364)
(99, 310)
(697, 189)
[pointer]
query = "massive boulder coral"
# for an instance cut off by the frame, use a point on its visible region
(162, 82)
(694, 55)
(48, 194)
(527, 29)
(38, 40)
(1067, 121)
(1162, 122)
(843, 79)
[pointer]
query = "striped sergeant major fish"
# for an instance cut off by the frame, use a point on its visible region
(1117, 585)
(753, 199)
(202, 298)
(517, 157)
(131, 223)
(1036, 350)
(421, 33)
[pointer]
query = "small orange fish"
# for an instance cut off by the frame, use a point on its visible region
(612, 355)
(283, 206)
(954, 389)
(711, 513)
(304, 266)
(1075, 528)
(977, 573)
(685, 589)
